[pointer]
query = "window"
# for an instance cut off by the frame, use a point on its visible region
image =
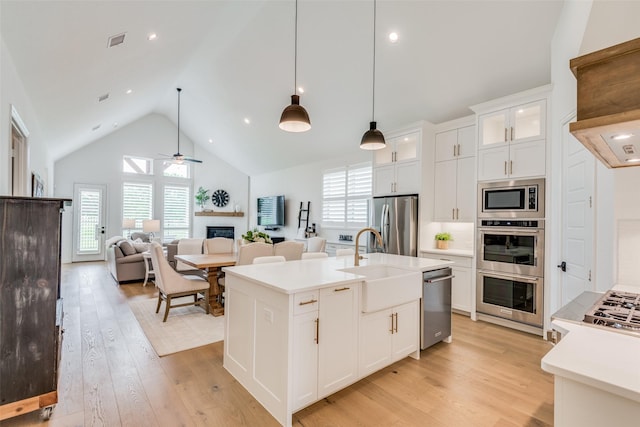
(175, 170)
(177, 212)
(137, 202)
(137, 165)
(345, 196)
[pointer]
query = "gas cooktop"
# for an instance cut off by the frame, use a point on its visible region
(616, 309)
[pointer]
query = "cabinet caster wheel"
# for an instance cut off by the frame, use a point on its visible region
(46, 413)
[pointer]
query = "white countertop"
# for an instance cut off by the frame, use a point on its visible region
(305, 275)
(597, 357)
(455, 252)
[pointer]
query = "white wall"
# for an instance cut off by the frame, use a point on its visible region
(12, 93)
(101, 163)
(300, 184)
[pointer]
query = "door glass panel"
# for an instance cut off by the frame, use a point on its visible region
(527, 122)
(88, 238)
(493, 128)
(509, 248)
(509, 293)
(406, 147)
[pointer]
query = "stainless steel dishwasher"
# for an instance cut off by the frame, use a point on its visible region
(436, 307)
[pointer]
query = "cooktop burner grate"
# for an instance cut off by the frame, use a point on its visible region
(616, 309)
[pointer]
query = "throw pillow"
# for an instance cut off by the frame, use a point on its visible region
(126, 247)
(138, 235)
(141, 247)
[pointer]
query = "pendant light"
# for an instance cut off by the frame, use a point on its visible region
(373, 138)
(295, 118)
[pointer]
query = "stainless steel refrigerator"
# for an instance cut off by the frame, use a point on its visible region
(396, 218)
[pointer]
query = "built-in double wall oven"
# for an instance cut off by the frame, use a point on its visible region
(510, 258)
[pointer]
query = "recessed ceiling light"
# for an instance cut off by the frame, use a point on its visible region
(520, 111)
(633, 160)
(152, 36)
(393, 37)
(300, 89)
(115, 124)
(622, 136)
(246, 120)
(128, 92)
(210, 141)
(406, 138)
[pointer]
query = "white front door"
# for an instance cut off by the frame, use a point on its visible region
(577, 218)
(88, 222)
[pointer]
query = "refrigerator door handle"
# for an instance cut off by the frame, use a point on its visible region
(385, 226)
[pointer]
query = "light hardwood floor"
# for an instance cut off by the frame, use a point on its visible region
(111, 376)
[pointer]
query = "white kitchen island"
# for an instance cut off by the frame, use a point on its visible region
(597, 375)
(295, 331)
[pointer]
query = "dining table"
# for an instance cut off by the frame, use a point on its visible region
(211, 263)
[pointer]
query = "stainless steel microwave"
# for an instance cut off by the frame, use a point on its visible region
(522, 199)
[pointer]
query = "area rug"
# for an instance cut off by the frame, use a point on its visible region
(186, 327)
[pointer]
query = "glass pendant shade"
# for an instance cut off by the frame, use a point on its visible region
(295, 118)
(372, 139)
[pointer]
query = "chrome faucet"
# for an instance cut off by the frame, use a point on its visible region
(357, 256)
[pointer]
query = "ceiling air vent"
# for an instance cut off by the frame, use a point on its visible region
(116, 40)
(95, 128)
(628, 149)
(103, 97)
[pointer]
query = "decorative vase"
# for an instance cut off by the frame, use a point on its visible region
(442, 244)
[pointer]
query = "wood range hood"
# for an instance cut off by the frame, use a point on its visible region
(608, 113)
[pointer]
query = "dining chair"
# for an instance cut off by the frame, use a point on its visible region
(345, 252)
(246, 253)
(289, 249)
(314, 255)
(218, 245)
(316, 244)
(269, 259)
(172, 284)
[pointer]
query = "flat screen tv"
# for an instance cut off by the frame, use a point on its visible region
(271, 212)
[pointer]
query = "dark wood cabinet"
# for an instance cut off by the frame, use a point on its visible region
(30, 303)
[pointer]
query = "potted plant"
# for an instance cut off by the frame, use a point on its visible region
(256, 236)
(202, 196)
(442, 240)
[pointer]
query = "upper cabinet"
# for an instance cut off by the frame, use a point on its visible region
(396, 168)
(512, 136)
(454, 179)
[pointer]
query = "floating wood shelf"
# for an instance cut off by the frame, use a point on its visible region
(219, 213)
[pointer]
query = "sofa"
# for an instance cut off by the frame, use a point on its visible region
(125, 260)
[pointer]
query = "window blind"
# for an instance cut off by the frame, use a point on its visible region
(345, 196)
(137, 202)
(176, 212)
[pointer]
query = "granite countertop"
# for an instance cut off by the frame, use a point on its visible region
(310, 274)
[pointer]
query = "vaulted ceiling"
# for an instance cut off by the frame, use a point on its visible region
(234, 60)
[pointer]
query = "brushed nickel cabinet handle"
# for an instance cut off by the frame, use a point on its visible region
(396, 315)
(458, 150)
(453, 213)
(391, 330)
(505, 134)
(311, 301)
(512, 133)
(457, 213)
(510, 167)
(341, 289)
(505, 167)
(317, 337)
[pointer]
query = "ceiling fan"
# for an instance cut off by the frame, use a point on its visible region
(178, 157)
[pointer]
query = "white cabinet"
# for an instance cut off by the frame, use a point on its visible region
(325, 331)
(512, 142)
(462, 287)
(331, 248)
(455, 178)
(388, 335)
(396, 168)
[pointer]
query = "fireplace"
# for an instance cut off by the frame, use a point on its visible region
(220, 231)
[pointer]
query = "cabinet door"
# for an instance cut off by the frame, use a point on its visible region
(493, 129)
(527, 159)
(383, 180)
(305, 359)
(383, 156)
(407, 147)
(461, 289)
(445, 190)
(492, 164)
(466, 189)
(338, 338)
(446, 145)
(406, 336)
(375, 341)
(408, 178)
(527, 122)
(466, 142)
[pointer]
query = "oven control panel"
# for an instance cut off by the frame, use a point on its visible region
(511, 223)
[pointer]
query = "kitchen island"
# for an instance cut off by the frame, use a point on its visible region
(295, 331)
(597, 374)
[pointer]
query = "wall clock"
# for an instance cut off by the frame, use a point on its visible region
(220, 198)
